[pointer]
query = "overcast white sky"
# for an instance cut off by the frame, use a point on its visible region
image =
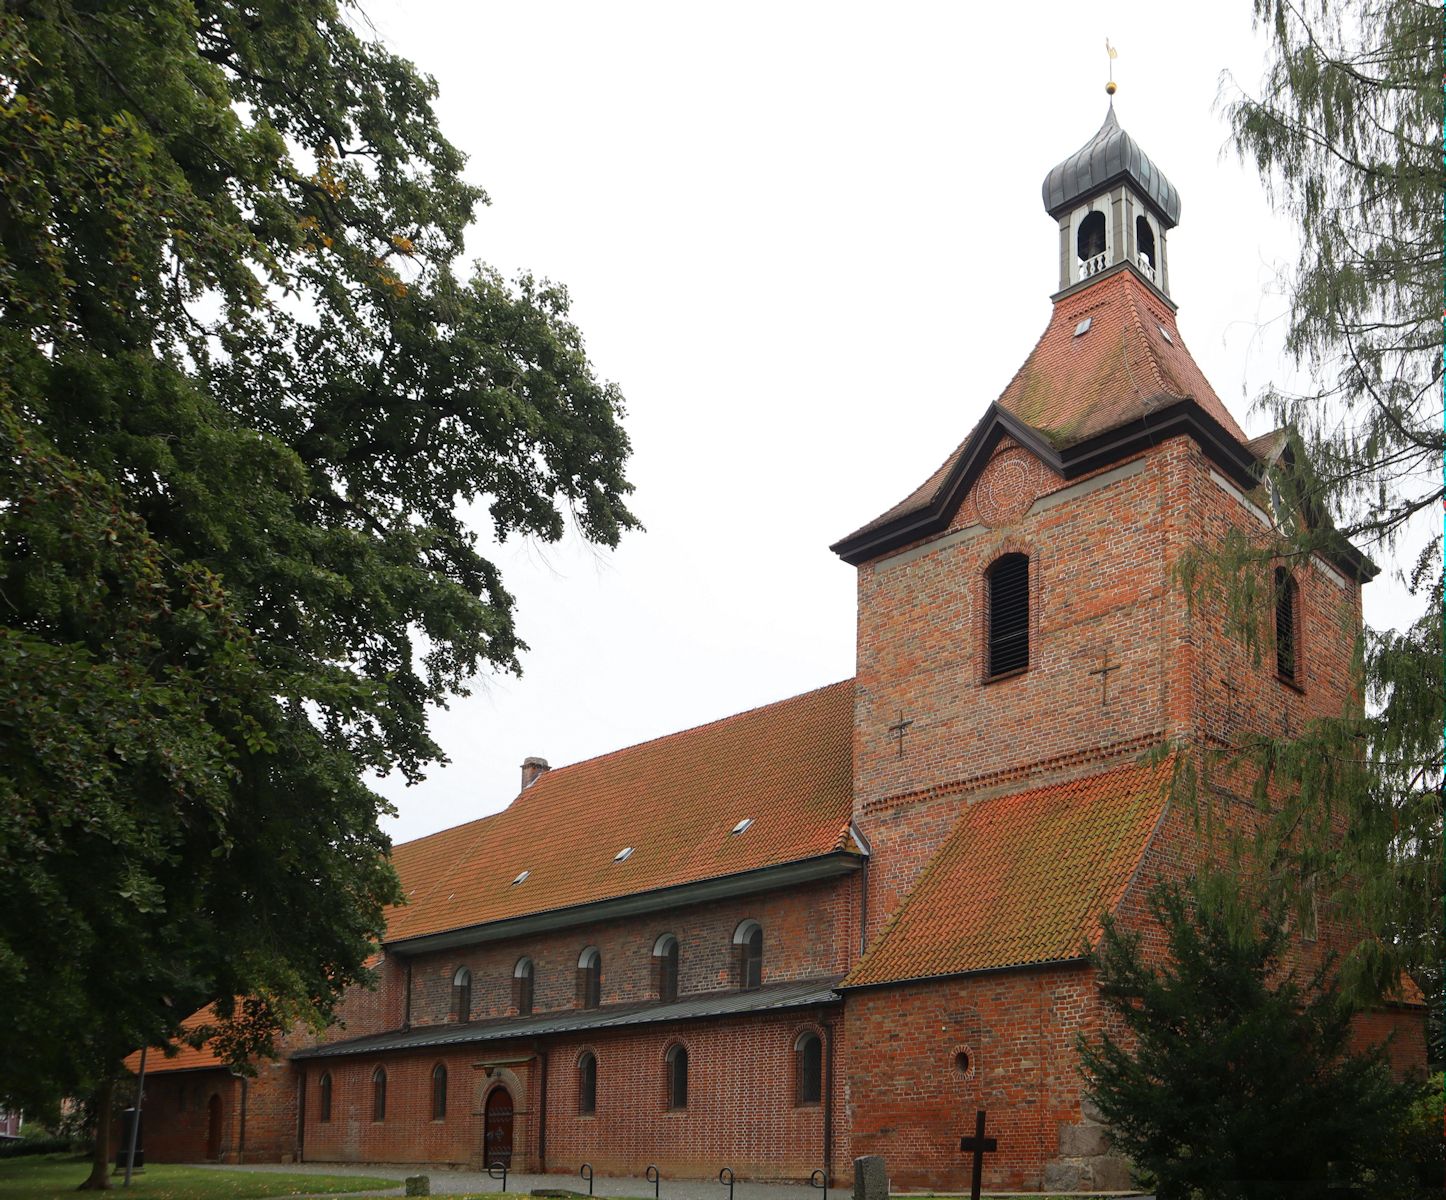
(807, 241)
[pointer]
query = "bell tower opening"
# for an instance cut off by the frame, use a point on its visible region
(1145, 241)
(1090, 245)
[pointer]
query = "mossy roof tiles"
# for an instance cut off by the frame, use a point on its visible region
(1022, 880)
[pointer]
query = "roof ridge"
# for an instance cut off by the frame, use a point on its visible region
(717, 722)
(1132, 301)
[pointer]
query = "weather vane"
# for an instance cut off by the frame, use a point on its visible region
(1114, 54)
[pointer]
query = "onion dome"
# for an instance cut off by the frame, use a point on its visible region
(1111, 156)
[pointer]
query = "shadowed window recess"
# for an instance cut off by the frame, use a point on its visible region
(522, 986)
(677, 1064)
(587, 1083)
(665, 968)
(439, 1092)
(1007, 584)
(589, 978)
(808, 1068)
(323, 1104)
(748, 945)
(462, 995)
(379, 1095)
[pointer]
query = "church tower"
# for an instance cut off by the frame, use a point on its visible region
(1019, 619)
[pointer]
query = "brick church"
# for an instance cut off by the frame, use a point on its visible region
(839, 924)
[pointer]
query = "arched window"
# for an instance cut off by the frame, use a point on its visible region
(1008, 606)
(589, 978)
(323, 1100)
(439, 1093)
(748, 938)
(462, 995)
(1287, 626)
(587, 1083)
(1090, 242)
(665, 968)
(677, 1062)
(379, 1095)
(808, 1068)
(1145, 241)
(522, 986)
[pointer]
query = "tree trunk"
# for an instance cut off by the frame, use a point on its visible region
(99, 1179)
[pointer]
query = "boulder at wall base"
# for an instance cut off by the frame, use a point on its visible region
(871, 1179)
(419, 1185)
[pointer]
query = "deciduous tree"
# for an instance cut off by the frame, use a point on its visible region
(244, 401)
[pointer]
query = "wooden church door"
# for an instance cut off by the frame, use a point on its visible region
(213, 1127)
(497, 1128)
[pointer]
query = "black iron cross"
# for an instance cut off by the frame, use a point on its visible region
(981, 1146)
(897, 731)
(1103, 671)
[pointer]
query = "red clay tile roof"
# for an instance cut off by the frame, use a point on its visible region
(788, 766)
(187, 1058)
(1022, 879)
(1072, 388)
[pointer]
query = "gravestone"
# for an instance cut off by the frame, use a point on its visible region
(871, 1179)
(419, 1185)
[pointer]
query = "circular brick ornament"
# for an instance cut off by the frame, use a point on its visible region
(1005, 489)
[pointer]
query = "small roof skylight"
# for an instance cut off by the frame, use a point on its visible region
(623, 855)
(743, 824)
(522, 875)
(1083, 326)
(1165, 333)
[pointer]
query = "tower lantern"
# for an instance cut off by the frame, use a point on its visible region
(1114, 208)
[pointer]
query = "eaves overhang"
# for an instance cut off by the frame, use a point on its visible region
(1170, 416)
(1077, 960)
(721, 887)
(774, 998)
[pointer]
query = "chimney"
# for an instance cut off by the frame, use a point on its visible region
(533, 769)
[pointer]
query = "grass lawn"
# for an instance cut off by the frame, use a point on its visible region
(51, 1176)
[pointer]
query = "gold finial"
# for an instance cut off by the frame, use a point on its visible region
(1114, 54)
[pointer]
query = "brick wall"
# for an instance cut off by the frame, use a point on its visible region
(808, 932)
(911, 1098)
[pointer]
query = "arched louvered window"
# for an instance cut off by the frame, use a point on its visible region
(665, 967)
(589, 978)
(379, 1095)
(439, 1093)
(677, 1063)
(522, 986)
(462, 995)
(587, 1083)
(1287, 626)
(808, 1067)
(1007, 584)
(323, 1100)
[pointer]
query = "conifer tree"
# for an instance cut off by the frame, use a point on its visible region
(1346, 132)
(1222, 1075)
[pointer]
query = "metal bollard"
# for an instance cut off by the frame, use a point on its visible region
(652, 1176)
(728, 1171)
(494, 1168)
(819, 1180)
(586, 1173)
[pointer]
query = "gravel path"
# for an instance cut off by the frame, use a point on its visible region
(447, 1182)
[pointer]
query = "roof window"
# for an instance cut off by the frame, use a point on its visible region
(1083, 327)
(743, 825)
(521, 877)
(623, 855)
(1165, 333)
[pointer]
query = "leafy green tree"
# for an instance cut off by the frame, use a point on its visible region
(1222, 1075)
(1346, 132)
(243, 399)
